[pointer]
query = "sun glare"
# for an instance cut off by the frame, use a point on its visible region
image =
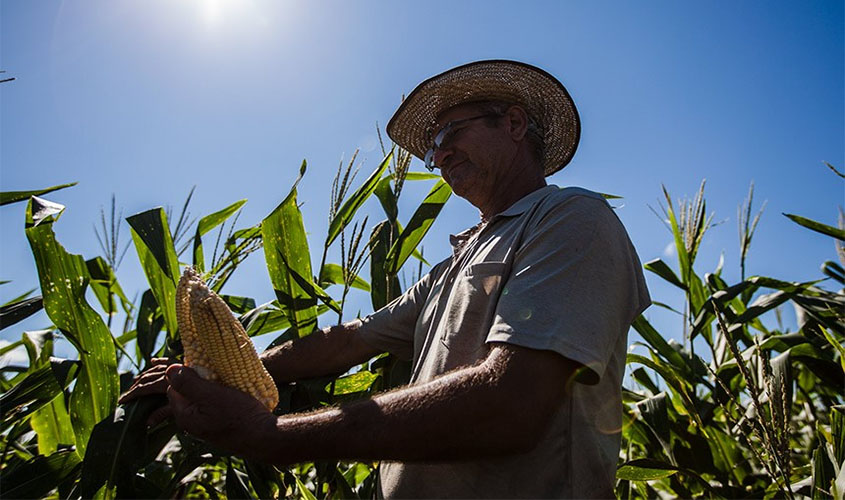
(242, 14)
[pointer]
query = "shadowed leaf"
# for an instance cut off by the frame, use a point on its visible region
(818, 226)
(7, 197)
(417, 227)
(154, 245)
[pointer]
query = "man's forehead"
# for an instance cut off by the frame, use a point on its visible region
(451, 114)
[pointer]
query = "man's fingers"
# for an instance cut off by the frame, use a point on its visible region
(186, 382)
(148, 383)
(159, 416)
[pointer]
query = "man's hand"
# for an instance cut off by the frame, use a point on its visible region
(151, 382)
(223, 416)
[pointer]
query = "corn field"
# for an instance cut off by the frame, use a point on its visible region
(758, 414)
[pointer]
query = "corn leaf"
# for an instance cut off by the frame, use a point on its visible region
(645, 469)
(105, 286)
(7, 197)
(287, 256)
(655, 340)
(64, 280)
(350, 384)
(120, 444)
(818, 226)
(384, 287)
(19, 298)
(304, 493)
(18, 311)
(836, 345)
(149, 322)
(154, 245)
(37, 389)
(236, 483)
(332, 274)
(208, 223)
(417, 227)
(656, 416)
(263, 319)
(353, 203)
(37, 477)
(51, 423)
(660, 268)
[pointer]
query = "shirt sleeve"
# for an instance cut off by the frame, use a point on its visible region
(575, 286)
(391, 328)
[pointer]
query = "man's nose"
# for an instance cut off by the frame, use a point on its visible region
(441, 154)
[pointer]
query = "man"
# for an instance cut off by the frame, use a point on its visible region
(518, 339)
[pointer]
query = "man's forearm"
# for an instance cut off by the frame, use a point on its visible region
(472, 412)
(325, 352)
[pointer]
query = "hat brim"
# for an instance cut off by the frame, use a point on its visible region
(544, 98)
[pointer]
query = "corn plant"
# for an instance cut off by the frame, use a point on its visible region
(763, 417)
(63, 434)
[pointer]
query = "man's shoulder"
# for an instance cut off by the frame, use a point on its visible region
(560, 194)
(574, 199)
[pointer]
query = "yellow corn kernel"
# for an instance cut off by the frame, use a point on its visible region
(218, 343)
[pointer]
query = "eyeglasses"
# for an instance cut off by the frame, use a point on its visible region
(443, 137)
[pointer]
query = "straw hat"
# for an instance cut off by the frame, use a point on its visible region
(544, 98)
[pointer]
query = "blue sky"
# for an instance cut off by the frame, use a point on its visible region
(145, 99)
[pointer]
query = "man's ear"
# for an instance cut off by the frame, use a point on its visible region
(517, 121)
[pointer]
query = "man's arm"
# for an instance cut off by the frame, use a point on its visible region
(500, 406)
(325, 352)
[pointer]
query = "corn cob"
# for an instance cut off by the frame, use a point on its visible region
(215, 343)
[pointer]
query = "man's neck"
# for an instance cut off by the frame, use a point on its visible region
(523, 182)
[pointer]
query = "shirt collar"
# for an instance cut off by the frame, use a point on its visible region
(526, 202)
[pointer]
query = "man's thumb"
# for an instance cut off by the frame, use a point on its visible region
(181, 378)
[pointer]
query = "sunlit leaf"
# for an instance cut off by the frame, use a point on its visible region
(51, 422)
(355, 382)
(287, 256)
(645, 469)
(208, 223)
(332, 274)
(63, 278)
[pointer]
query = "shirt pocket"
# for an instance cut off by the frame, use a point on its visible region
(471, 306)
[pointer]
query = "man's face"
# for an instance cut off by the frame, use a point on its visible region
(475, 157)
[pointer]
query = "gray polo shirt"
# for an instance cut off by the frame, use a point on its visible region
(555, 271)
